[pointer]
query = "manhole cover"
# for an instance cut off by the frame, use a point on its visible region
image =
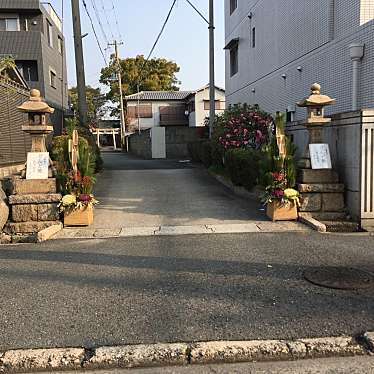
(341, 278)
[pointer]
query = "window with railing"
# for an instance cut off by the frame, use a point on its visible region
(217, 105)
(28, 69)
(173, 115)
(234, 59)
(53, 78)
(50, 33)
(9, 24)
(141, 111)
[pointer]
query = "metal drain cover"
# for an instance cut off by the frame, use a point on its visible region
(341, 278)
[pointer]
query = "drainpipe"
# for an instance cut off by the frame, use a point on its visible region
(356, 52)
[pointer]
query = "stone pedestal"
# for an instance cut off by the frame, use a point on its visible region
(322, 196)
(33, 206)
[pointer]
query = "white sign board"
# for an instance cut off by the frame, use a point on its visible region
(37, 165)
(320, 156)
(158, 142)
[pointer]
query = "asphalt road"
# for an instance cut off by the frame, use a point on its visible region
(135, 193)
(180, 288)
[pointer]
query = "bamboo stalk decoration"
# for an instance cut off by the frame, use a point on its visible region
(280, 135)
(74, 151)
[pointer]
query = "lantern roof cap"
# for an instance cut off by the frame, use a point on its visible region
(35, 104)
(316, 99)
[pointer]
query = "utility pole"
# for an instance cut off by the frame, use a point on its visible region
(212, 88)
(79, 63)
(119, 78)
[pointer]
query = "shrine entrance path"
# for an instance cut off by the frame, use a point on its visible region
(152, 197)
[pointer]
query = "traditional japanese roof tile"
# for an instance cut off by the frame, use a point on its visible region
(159, 95)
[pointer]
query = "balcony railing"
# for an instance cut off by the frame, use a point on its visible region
(173, 120)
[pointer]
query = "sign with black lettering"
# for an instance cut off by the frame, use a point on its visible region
(37, 165)
(320, 156)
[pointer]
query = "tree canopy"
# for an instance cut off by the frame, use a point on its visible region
(96, 101)
(158, 74)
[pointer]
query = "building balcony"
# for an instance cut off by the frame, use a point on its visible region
(173, 120)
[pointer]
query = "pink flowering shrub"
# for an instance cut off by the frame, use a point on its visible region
(244, 127)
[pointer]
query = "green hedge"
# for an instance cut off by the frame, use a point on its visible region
(242, 165)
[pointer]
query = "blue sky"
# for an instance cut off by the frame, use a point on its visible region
(185, 39)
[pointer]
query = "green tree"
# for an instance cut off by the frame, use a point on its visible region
(158, 74)
(96, 102)
(6, 62)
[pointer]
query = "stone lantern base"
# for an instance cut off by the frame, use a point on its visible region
(321, 194)
(34, 207)
(322, 197)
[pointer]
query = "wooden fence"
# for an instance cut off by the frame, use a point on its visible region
(14, 143)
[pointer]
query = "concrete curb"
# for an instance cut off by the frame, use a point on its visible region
(18, 361)
(237, 190)
(308, 220)
(47, 233)
(173, 354)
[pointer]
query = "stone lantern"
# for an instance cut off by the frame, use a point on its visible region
(322, 195)
(33, 200)
(37, 111)
(38, 126)
(315, 104)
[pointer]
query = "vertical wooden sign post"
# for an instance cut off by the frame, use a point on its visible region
(74, 151)
(280, 135)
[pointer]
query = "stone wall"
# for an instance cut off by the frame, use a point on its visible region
(140, 144)
(8, 171)
(344, 138)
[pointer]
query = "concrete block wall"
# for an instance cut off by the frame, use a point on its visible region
(177, 139)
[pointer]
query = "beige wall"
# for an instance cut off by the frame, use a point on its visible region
(367, 11)
(200, 112)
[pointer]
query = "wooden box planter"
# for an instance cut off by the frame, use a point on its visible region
(79, 217)
(277, 211)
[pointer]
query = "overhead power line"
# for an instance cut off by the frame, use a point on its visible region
(94, 31)
(116, 19)
(99, 21)
(156, 41)
(198, 11)
(107, 19)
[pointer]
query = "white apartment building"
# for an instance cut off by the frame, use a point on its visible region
(277, 48)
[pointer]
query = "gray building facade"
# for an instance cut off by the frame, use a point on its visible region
(31, 32)
(275, 50)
